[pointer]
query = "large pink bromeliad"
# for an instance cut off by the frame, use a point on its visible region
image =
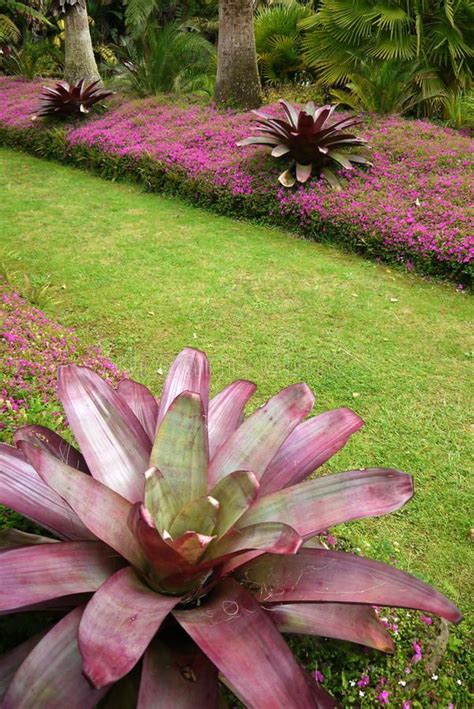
(184, 544)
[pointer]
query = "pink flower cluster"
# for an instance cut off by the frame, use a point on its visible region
(32, 347)
(413, 202)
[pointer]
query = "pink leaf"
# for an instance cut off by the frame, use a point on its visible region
(310, 445)
(343, 621)
(256, 441)
(109, 434)
(226, 412)
(51, 676)
(30, 575)
(179, 674)
(118, 623)
(189, 372)
(11, 661)
(22, 489)
(237, 636)
(102, 510)
(315, 505)
(54, 444)
(333, 576)
(142, 403)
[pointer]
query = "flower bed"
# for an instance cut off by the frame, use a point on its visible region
(410, 207)
(32, 347)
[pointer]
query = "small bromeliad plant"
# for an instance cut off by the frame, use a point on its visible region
(64, 100)
(314, 143)
(185, 542)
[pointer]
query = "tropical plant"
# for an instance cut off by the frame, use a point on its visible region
(35, 57)
(278, 40)
(380, 87)
(437, 35)
(188, 537)
(166, 59)
(64, 100)
(313, 144)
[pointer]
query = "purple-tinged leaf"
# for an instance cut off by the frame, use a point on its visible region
(310, 445)
(331, 178)
(180, 450)
(118, 624)
(226, 411)
(11, 661)
(191, 545)
(235, 493)
(110, 436)
(22, 489)
(291, 111)
(238, 637)
(199, 515)
(313, 506)
(189, 372)
(303, 172)
(343, 621)
(102, 510)
(31, 575)
(269, 537)
(334, 576)
(163, 560)
(253, 445)
(124, 693)
(54, 444)
(179, 674)
(142, 403)
(12, 538)
(51, 676)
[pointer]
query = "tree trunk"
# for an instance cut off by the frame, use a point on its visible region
(238, 82)
(79, 60)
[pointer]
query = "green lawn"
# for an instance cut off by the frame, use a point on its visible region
(144, 276)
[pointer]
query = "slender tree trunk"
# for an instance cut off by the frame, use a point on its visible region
(79, 60)
(238, 82)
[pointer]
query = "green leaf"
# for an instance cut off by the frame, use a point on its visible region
(180, 448)
(235, 493)
(200, 515)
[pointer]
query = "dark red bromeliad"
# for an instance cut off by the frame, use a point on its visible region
(185, 542)
(314, 142)
(64, 99)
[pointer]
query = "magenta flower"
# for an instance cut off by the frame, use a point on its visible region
(383, 697)
(364, 681)
(318, 676)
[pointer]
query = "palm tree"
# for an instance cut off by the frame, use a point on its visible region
(437, 35)
(79, 61)
(237, 82)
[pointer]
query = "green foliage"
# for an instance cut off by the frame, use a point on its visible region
(9, 32)
(384, 88)
(166, 59)
(434, 36)
(278, 39)
(34, 58)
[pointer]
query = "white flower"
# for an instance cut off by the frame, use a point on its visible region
(352, 683)
(458, 681)
(435, 677)
(361, 693)
(403, 683)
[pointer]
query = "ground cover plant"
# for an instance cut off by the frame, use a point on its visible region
(409, 207)
(203, 544)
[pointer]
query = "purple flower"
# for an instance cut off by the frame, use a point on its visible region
(383, 697)
(364, 681)
(318, 676)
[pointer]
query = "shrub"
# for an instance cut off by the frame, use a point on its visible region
(193, 539)
(64, 100)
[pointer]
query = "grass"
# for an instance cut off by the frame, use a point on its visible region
(144, 275)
